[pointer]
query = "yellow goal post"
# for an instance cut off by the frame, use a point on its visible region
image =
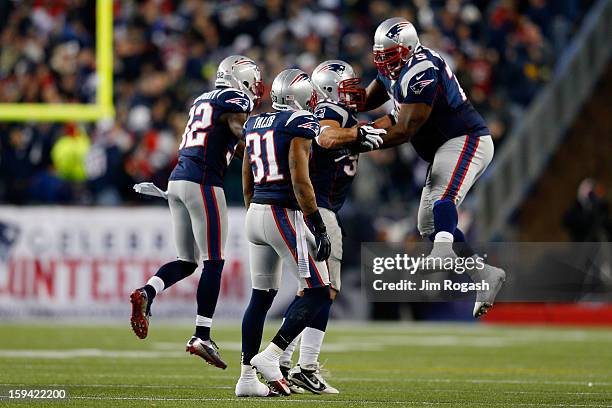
(68, 112)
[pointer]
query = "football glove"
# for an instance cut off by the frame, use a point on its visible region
(369, 137)
(321, 238)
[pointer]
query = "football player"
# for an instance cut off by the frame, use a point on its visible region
(197, 201)
(332, 170)
(283, 226)
(433, 112)
(280, 197)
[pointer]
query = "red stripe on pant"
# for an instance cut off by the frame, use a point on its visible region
(219, 237)
(207, 221)
(451, 192)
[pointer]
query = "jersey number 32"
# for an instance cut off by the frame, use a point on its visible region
(200, 119)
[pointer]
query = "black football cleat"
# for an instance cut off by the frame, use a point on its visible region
(141, 310)
(295, 389)
(311, 379)
(206, 349)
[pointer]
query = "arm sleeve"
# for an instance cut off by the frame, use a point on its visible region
(233, 100)
(419, 86)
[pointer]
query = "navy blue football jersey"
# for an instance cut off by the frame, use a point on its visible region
(207, 146)
(267, 140)
(332, 170)
(426, 78)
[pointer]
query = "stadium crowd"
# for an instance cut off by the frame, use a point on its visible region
(166, 52)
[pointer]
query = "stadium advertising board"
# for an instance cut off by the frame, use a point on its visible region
(79, 262)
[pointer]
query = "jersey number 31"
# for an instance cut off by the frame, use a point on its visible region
(263, 156)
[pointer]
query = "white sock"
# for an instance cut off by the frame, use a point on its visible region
(287, 357)
(157, 283)
(247, 372)
(444, 236)
(203, 321)
(312, 340)
(273, 352)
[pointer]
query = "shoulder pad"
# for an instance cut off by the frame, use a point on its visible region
(298, 114)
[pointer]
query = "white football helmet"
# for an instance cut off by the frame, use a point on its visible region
(395, 41)
(292, 90)
(239, 72)
(336, 80)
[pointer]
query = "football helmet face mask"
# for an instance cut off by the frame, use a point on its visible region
(336, 80)
(239, 72)
(292, 90)
(395, 41)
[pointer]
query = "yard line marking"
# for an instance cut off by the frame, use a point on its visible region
(378, 379)
(308, 401)
(87, 352)
(471, 381)
(152, 386)
(221, 387)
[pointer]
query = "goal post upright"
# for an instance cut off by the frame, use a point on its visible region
(68, 112)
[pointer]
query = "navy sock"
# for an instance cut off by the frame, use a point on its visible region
(445, 216)
(171, 273)
(208, 293)
(460, 246)
(253, 322)
(295, 299)
(300, 314)
(319, 322)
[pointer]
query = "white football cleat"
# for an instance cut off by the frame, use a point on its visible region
(270, 370)
(495, 277)
(253, 388)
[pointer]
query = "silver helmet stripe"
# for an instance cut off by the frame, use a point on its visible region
(291, 90)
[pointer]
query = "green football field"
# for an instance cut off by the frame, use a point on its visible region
(373, 365)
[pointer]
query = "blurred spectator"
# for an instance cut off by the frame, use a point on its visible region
(588, 219)
(69, 152)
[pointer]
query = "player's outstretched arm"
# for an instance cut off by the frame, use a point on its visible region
(247, 181)
(411, 117)
(376, 95)
(333, 136)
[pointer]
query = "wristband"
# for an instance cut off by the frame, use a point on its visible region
(392, 119)
(316, 221)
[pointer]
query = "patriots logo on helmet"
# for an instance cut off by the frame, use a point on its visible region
(314, 126)
(418, 87)
(243, 103)
(334, 67)
(394, 31)
(299, 78)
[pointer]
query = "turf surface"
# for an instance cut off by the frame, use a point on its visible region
(372, 365)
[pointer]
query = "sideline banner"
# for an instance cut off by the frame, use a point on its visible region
(80, 262)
